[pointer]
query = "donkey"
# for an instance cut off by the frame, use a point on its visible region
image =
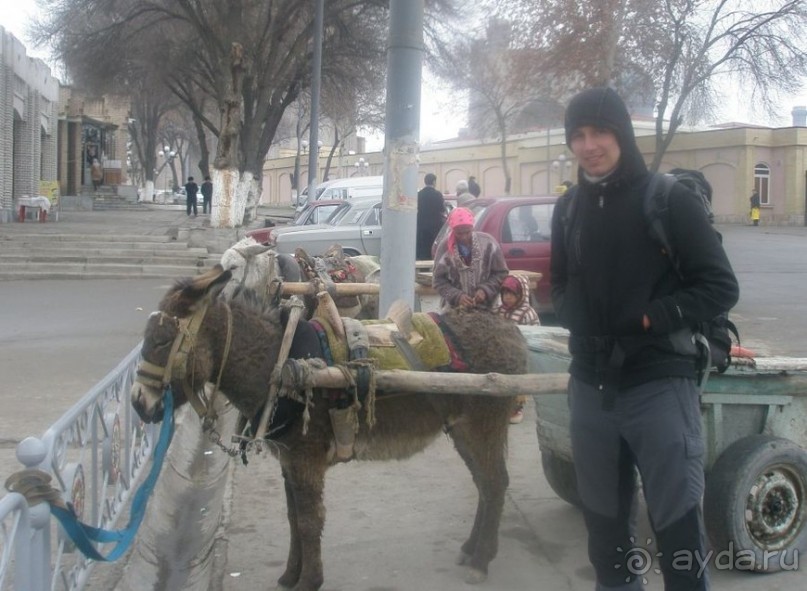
(405, 423)
(256, 266)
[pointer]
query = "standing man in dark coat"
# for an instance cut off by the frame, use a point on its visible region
(431, 216)
(473, 187)
(207, 196)
(191, 189)
(633, 396)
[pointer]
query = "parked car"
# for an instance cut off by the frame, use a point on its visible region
(522, 226)
(303, 200)
(353, 187)
(356, 226)
(316, 212)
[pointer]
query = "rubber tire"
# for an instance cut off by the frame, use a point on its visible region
(743, 469)
(561, 477)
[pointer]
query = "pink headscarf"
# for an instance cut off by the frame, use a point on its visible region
(459, 216)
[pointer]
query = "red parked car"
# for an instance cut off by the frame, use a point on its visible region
(522, 225)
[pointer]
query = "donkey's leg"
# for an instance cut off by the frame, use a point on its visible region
(306, 477)
(481, 441)
(294, 562)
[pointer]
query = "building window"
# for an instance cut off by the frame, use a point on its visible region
(762, 181)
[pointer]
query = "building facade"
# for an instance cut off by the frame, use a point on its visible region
(735, 160)
(29, 97)
(91, 127)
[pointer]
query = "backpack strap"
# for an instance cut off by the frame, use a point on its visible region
(567, 218)
(656, 206)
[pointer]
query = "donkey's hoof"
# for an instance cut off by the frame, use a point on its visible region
(463, 559)
(286, 583)
(474, 576)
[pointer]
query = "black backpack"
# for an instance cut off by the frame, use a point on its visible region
(713, 336)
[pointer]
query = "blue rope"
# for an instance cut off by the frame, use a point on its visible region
(84, 535)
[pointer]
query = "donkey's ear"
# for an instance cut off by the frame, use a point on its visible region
(218, 283)
(254, 250)
(207, 285)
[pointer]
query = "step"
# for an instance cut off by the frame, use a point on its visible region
(99, 206)
(45, 238)
(73, 275)
(91, 270)
(121, 247)
(91, 249)
(180, 258)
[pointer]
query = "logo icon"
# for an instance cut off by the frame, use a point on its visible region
(638, 560)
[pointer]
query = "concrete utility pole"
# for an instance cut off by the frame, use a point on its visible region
(404, 64)
(316, 77)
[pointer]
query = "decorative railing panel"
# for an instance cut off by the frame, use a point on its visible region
(95, 452)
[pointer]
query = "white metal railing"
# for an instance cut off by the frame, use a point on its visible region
(95, 452)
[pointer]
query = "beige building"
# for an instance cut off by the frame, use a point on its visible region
(91, 127)
(735, 160)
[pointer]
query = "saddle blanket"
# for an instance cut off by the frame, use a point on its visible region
(426, 341)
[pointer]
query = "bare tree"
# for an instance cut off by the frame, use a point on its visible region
(674, 52)
(348, 108)
(762, 49)
(249, 58)
(503, 81)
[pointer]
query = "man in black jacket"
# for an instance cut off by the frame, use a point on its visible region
(632, 392)
(191, 189)
(431, 217)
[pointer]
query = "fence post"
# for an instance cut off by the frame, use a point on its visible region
(31, 452)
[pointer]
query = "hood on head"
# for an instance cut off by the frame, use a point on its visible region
(519, 285)
(602, 107)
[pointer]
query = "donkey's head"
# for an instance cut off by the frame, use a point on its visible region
(253, 266)
(173, 353)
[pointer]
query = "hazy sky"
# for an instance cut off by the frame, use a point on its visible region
(441, 109)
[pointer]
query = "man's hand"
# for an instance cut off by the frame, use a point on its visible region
(480, 297)
(466, 301)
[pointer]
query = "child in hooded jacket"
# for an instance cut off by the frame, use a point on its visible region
(515, 298)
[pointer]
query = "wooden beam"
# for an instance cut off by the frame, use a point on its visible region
(422, 287)
(397, 380)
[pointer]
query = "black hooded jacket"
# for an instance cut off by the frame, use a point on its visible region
(615, 272)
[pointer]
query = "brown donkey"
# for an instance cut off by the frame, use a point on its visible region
(405, 424)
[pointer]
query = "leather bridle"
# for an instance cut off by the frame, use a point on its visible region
(159, 377)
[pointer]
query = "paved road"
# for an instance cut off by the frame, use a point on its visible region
(771, 265)
(391, 526)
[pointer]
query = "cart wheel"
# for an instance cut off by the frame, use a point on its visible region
(561, 477)
(756, 502)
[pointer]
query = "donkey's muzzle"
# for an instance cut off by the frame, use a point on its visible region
(147, 404)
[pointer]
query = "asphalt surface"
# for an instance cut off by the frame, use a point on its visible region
(392, 526)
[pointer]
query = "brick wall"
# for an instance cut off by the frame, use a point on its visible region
(28, 123)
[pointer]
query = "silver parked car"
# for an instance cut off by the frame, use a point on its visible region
(356, 227)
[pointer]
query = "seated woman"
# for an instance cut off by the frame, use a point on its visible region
(469, 266)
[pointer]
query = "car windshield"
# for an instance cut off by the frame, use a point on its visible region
(316, 214)
(336, 217)
(352, 214)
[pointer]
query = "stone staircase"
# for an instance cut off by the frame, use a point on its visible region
(102, 256)
(106, 198)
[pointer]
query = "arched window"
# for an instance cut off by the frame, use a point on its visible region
(762, 181)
